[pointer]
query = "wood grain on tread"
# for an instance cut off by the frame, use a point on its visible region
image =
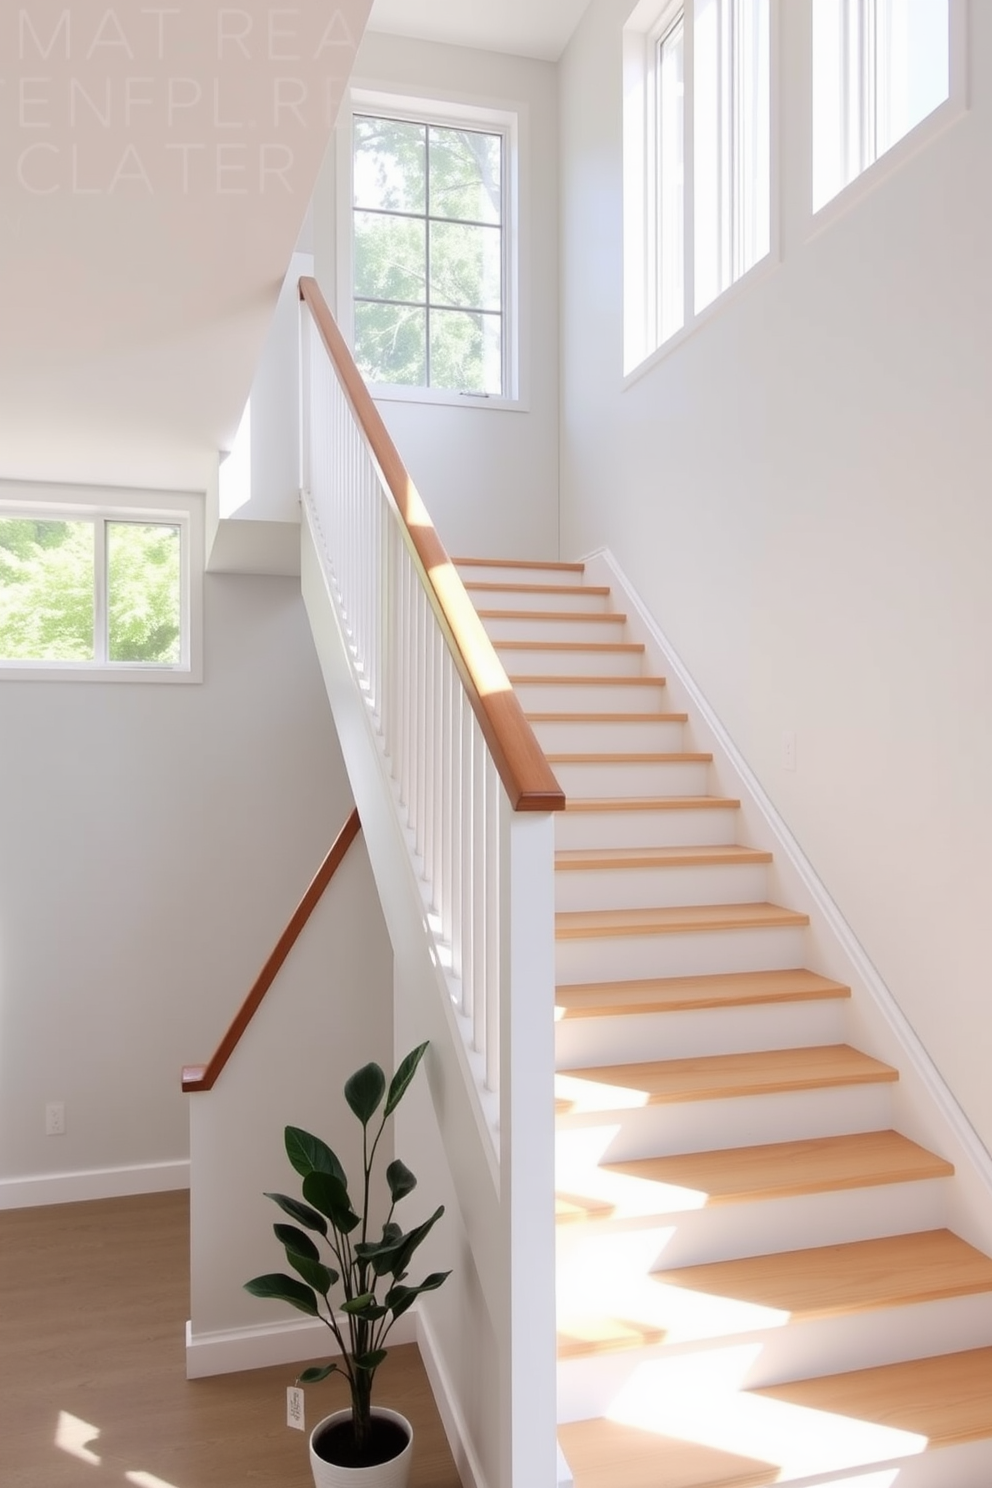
(605, 617)
(859, 1276)
(576, 859)
(780, 1169)
(607, 717)
(617, 648)
(644, 757)
(529, 563)
(724, 1076)
(947, 1399)
(583, 679)
(651, 803)
(504, 586)
(594, 924)
(680, 994)
(606, 1454)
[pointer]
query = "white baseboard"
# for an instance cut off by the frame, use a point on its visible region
(459, 1441)
(93, 1183)
(231, 1350)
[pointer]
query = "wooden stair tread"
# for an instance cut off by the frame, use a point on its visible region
(621, 648)
(574, 859)
(781, 1169)
(651, 803)
(589, 924)
(724, 1076)
(947, 1399)
(606, 1454)
(585, 679)
(604, 617)
(607, 717)
(644, 757)
(679, 994)
(554, 565)
(504, 586)
(860, 1275)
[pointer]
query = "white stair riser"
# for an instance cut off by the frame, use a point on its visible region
(699, 953)
(573, 736)
(694, 1237)
(580, 696)
(624, 779)
(647, 888)
(549, 662)
(506, 597)
(741, 1121)
(551, 627)
(960, 1465)
(516, 573)
(581, 1043)
(587, 1386)
(681, 827)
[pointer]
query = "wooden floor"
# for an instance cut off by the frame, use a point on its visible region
(93, 1304)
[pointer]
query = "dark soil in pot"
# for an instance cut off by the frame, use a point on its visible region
(337, 1444)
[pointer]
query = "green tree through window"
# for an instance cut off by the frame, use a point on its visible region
(96, 590)
(428, 254)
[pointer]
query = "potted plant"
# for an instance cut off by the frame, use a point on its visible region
(366, 1445)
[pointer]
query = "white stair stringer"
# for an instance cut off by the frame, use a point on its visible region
(663, 1360)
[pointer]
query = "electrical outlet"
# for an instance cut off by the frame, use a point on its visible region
(789, 750)
(55, 1119)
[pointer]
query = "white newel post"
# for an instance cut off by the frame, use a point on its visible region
(526, 1022)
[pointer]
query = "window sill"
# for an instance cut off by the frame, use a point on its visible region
(63, 671)
(444, 398)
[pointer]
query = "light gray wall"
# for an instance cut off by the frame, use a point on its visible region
(800, 492)
(489, 477)
(154, 842)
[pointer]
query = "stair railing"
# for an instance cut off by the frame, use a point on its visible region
(474, 796)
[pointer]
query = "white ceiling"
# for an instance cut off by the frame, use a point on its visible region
(527, 28)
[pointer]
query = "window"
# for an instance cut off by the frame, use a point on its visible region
(431, 275)
(88, 591)
(879, 68)
(697, 200)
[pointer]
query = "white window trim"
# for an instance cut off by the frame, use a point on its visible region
(42, 502)
(944, 116)
(648, 23)
(510, 120)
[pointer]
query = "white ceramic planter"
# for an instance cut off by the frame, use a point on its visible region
(392, 1474)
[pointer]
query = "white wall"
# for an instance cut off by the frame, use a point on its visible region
(489, 477)
(154, 842)
(800, 493)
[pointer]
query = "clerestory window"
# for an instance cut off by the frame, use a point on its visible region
(880, 67)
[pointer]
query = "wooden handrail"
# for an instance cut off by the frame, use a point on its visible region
(527, 777)
(203, 1076)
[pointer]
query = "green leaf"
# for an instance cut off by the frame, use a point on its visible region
(399, 1298)
(364, 1090)
(370, 1361)
(329, 1195)
(403, 1076)
(300, 1212)
(316, 1275)
(358, 1304)
(401, 1181)
(309, 1154)
(296, 1241)
(314, 1374)
(409, 1242)
(284, 1289)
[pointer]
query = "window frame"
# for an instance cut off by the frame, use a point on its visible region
(509, 123)
(908, 145)
(647, 28)
(103, 506)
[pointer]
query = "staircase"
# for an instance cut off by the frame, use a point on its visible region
(756, 1279)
